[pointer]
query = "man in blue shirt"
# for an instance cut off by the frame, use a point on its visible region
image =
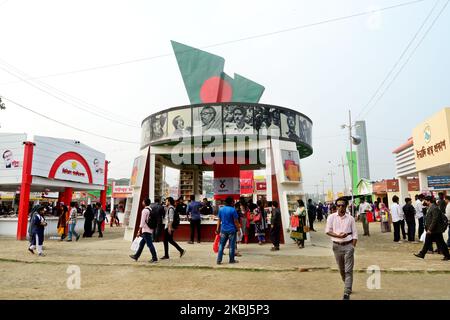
(193, 211)
(227, 225)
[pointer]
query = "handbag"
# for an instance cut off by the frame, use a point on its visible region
(296, 235)
(294, 221)
(216, 243)
(423, 236)
(305, 229)
(135, 244)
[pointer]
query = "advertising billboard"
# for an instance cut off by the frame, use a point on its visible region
(431, 141)
(438, 182)
(12, 150)
(68, 160)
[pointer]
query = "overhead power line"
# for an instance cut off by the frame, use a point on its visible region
(65, 124)
(18, 74)
(398, 60)
(407, 60)
(262, 35)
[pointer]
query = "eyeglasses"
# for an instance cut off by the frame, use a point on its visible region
(340, 205)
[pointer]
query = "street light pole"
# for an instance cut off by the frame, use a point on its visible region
(352, 140)
(351, 156)
(323, 189)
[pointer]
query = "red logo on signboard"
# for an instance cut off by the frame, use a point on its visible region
(70, 156)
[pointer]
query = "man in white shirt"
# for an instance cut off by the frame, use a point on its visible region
(419, 213)
(364, 207)
(397, 218)
(147, 227)
(341, 227)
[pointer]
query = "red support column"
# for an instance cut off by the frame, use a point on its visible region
(103, 192)
(61, 196)
(25, 191)
(68, 194)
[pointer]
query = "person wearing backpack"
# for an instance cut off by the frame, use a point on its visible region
(435, 226)
(147, 227)
(171, 221)
(160, 213)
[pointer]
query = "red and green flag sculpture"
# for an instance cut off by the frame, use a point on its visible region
(205, 80)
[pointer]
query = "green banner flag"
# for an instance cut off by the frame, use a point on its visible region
(242, 89)
(353, 167)
(246, 90)
(201, 72)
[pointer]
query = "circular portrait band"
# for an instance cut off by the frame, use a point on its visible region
(169, 127)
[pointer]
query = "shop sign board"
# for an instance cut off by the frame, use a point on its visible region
(380, 187)
(261, 186)
(413, 185)
(12, 150)
(246, 177)
(291, 166)
(431, 141)
(69, 160)
(122, 191)
(392, 185)
(227, 186)
(438, 182)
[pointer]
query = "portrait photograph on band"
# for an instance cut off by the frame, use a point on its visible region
(289, 126)
(158, 126)
(238, 119)
(145, 133)
(180, 123)
(207, 120)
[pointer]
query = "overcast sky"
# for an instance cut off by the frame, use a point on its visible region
(322, 70)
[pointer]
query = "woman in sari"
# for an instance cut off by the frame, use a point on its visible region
(62, 221)
(385, 216)
(259, 218)
(298, 224)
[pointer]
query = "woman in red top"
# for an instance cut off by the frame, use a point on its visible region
(245, 221)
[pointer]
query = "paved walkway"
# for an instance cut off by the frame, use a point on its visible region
(107, 272)
(378, 249)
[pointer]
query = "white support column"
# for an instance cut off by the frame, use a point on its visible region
(269, 171)
(403, 186)
(151, 180)
(423, 181)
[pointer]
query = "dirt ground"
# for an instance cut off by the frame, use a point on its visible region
(106, 271)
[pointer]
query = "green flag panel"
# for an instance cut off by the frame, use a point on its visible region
(201, 72)
(353, 166)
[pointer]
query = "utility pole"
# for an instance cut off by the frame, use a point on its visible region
(331, 174)
(351, 155)
(317, 190)
(323, 189)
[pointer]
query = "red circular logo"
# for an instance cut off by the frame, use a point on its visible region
(209, 89)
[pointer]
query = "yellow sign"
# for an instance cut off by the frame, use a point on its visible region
(330, 196)
(432, 141)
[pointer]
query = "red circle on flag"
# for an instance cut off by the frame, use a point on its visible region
(209, 90)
